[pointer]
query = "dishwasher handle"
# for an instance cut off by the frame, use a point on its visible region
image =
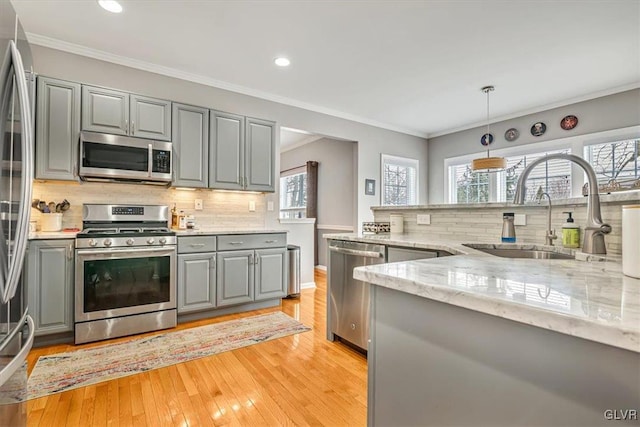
(367, 254)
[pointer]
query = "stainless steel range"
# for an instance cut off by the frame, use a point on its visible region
(125, 272)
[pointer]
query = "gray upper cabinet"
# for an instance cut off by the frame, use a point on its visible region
(105, 110)
(121, 113)
(270, 273)
(150, 118)
(242, 154)
(57, 129)
(190, 146)
(259, 162)
(226, 156)
(50, 285)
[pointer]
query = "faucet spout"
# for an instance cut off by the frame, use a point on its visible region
(550, 234)
(595, 228)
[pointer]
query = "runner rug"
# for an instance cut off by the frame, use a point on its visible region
(66, 371)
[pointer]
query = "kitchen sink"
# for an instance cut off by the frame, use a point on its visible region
(520, 252)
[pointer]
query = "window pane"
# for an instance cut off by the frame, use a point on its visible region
(293, 196)
(470, 187)
(615, 160)
(554, 176)
(399, 178)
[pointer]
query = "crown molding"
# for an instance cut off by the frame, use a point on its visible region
(540, 108)
(40, 40)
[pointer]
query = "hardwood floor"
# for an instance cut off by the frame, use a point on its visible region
(301, 379)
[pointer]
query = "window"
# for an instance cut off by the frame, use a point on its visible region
(293, 195)
(615, 160)
(554, 176)
(470, 187)
(399, 181)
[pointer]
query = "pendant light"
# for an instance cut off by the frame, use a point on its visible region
(488, 164)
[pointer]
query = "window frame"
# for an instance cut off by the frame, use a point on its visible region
(302, 170)
(401, 161)
(575, 144)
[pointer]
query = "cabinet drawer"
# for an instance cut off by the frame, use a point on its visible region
(193, 244)
(251, 241)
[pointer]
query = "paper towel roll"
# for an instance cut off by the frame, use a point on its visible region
(631, 240)
(397, 223)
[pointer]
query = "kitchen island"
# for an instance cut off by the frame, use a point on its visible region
(476, 339)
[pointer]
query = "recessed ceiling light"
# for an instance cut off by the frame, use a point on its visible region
(111, 5)
(282, 61)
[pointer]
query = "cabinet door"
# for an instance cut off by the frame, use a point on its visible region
(259, 162)
(50, 285)
(190, 146)
(57, 129)
(226, 154)
(196, 282)
(150, 118)
(271, 279)
(235, 277)
(105, 110)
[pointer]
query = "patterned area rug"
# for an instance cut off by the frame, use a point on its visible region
(66, 371)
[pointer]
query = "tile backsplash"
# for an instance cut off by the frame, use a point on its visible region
(220, 208)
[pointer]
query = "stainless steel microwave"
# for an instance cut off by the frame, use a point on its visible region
(123, 158)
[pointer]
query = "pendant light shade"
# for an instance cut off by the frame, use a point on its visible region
(488, 163)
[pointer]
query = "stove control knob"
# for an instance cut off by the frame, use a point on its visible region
(93, 242)
(163, 240)
(151, 241)
(107, 242)
(130, 242)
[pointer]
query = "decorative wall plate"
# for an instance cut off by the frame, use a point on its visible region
(511, 134)
(569, 122)
(538, 129)
(486, 139)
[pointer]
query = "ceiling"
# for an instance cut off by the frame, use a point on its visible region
(412, 66)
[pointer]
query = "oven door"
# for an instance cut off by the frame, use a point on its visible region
(124, 281)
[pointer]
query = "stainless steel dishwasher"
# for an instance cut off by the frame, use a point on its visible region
(348, 310)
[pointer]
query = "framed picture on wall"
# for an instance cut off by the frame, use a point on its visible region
(370, 187)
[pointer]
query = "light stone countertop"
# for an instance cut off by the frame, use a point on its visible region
(212, 231)
(588, 297)
(48, 235)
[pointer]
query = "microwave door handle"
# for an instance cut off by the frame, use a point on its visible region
(26, 178)
(150, 159)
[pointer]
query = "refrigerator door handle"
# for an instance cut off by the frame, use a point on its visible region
(15, 363)
(26, 178)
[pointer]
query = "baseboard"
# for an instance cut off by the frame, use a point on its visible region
(321, 267)
(308, 285)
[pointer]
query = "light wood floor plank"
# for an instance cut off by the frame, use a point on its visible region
(299, 380)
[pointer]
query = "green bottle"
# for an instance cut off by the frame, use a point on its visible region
(570, 233)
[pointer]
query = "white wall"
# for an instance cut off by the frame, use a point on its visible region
(610, 112)
(300, 233)
(372, 141)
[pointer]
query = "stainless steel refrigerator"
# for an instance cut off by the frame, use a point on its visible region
(16, 177)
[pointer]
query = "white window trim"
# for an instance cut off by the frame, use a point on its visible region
(576, 145)
(399, 161)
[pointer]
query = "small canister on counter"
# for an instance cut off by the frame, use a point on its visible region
(631, 240)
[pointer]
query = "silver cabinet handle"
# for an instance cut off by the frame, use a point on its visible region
(271, 241)
(126, 126)
(196, 245)
(150, 169)
(213, 263)
(70, 251)
(236, 243)
(250, 259)
(257, 259)
(22, 226)
(133, 127)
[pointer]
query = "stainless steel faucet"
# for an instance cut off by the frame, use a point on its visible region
(550, 235)
(595, 229)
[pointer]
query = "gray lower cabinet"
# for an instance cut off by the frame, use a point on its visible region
(242, 153)
(270, 273)
(196, 282)
(190, 146)
(120, 113)
(57, 129)
(50, 267)
(235, 277)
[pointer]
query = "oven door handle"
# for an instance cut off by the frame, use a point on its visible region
(117, 251)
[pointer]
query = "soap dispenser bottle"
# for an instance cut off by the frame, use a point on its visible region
(570, 233)
(508, 228)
